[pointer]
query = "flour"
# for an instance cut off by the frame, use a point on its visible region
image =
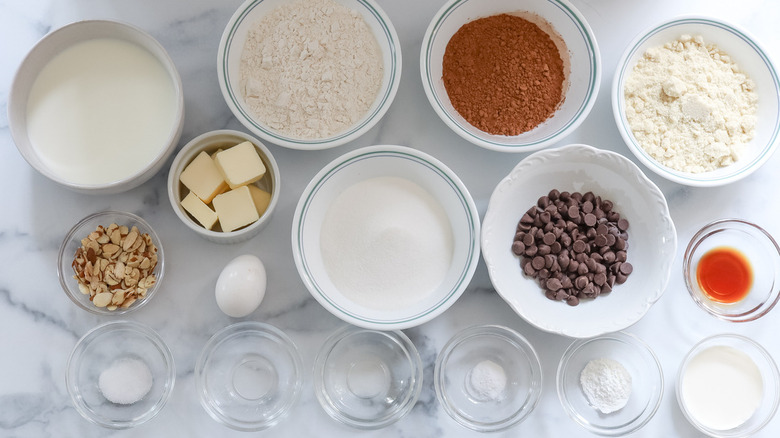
(487, 381)
(689, 105)
(310, 69)
(386, 243)
(607, 384)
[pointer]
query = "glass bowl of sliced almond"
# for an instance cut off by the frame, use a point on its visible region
(111, 263)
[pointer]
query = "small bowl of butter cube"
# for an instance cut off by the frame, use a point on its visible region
(224, 185)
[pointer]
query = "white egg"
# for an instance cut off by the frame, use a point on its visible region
(241, 286)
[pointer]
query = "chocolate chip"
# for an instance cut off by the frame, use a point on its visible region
(518, 248)
(621, 278)
(531, 250)
(572, 300)
(600, 279)
(538, 262)
(587, 207)
(553, 284)
(600, 240)
(528, 239)
(622, 224)
(620, 256)
(549, 238)
(626, 268)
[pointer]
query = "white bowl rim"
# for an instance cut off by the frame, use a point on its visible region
(618, 111)
(593, 84)
(220, 236)
(366, 123)
(419, 316)
(586, 332)
(164, 152)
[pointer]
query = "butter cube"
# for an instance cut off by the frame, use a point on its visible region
(260, 197)
(235, 209)
(203, 178)
(200, 211)
(240, 165)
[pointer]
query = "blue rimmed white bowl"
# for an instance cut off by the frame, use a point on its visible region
(385, 161)
(229, 60)
(582, 80)
(749, 56)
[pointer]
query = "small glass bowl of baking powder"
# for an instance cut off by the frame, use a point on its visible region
(367, 379)
(488, 378)
(120, 374)
(728, 386)
(629, 405)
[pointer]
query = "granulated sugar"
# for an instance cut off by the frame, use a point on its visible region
(310, 69)
(386, 243)
(690, 106)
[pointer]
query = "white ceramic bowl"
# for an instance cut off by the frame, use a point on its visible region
(377, 161)
(750, 57)
(210, 142)
(582, 83)
(652, 238)
(53, 44)
(229, 60)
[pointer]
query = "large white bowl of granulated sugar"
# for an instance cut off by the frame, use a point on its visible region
(386, 237)
(309, 74)
(697, 100)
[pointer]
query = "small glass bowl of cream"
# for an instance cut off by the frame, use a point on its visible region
(367, 379)
(728, 386)
(120, 374)
(488, 378)
(594, 399)
(732, 270)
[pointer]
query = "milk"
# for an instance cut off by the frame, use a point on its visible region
(101, 111)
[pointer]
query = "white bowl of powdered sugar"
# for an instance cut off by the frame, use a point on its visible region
(309, 74)
(386, 237)
(697, 101)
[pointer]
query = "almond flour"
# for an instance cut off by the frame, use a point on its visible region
(310, 69)
(690, 106)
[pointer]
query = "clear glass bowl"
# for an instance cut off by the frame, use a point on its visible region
(769, 374)
(763, 254)
(103, 346)
(367, 379)
(647, 386)
(495, 409)
(249, 376)
(72, 242)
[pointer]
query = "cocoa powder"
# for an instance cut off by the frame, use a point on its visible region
(503, 74)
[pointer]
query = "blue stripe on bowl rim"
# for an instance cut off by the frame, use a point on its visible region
(237, 100)
(692, 178)
(592, 55)
(413, 156)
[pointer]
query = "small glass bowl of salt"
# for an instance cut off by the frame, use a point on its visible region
(611, 385)
(488, 378)
(120, 374)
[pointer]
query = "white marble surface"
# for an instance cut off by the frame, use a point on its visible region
(39, 325)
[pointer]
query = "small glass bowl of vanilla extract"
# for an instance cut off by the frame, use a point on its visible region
(732, 270)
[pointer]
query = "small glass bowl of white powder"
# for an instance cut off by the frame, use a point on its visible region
(611, 385)
(488, 378)
(120, 374)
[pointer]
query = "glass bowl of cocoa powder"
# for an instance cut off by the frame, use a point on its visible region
(546, 49)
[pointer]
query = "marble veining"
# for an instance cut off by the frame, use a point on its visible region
(39, 325)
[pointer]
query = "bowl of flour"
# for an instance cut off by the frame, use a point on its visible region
(309, 74)
(386, 237)
(696, 101)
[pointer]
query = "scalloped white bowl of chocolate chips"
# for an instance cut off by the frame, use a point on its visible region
(652, 239)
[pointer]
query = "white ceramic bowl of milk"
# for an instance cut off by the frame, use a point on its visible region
(96, 106)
